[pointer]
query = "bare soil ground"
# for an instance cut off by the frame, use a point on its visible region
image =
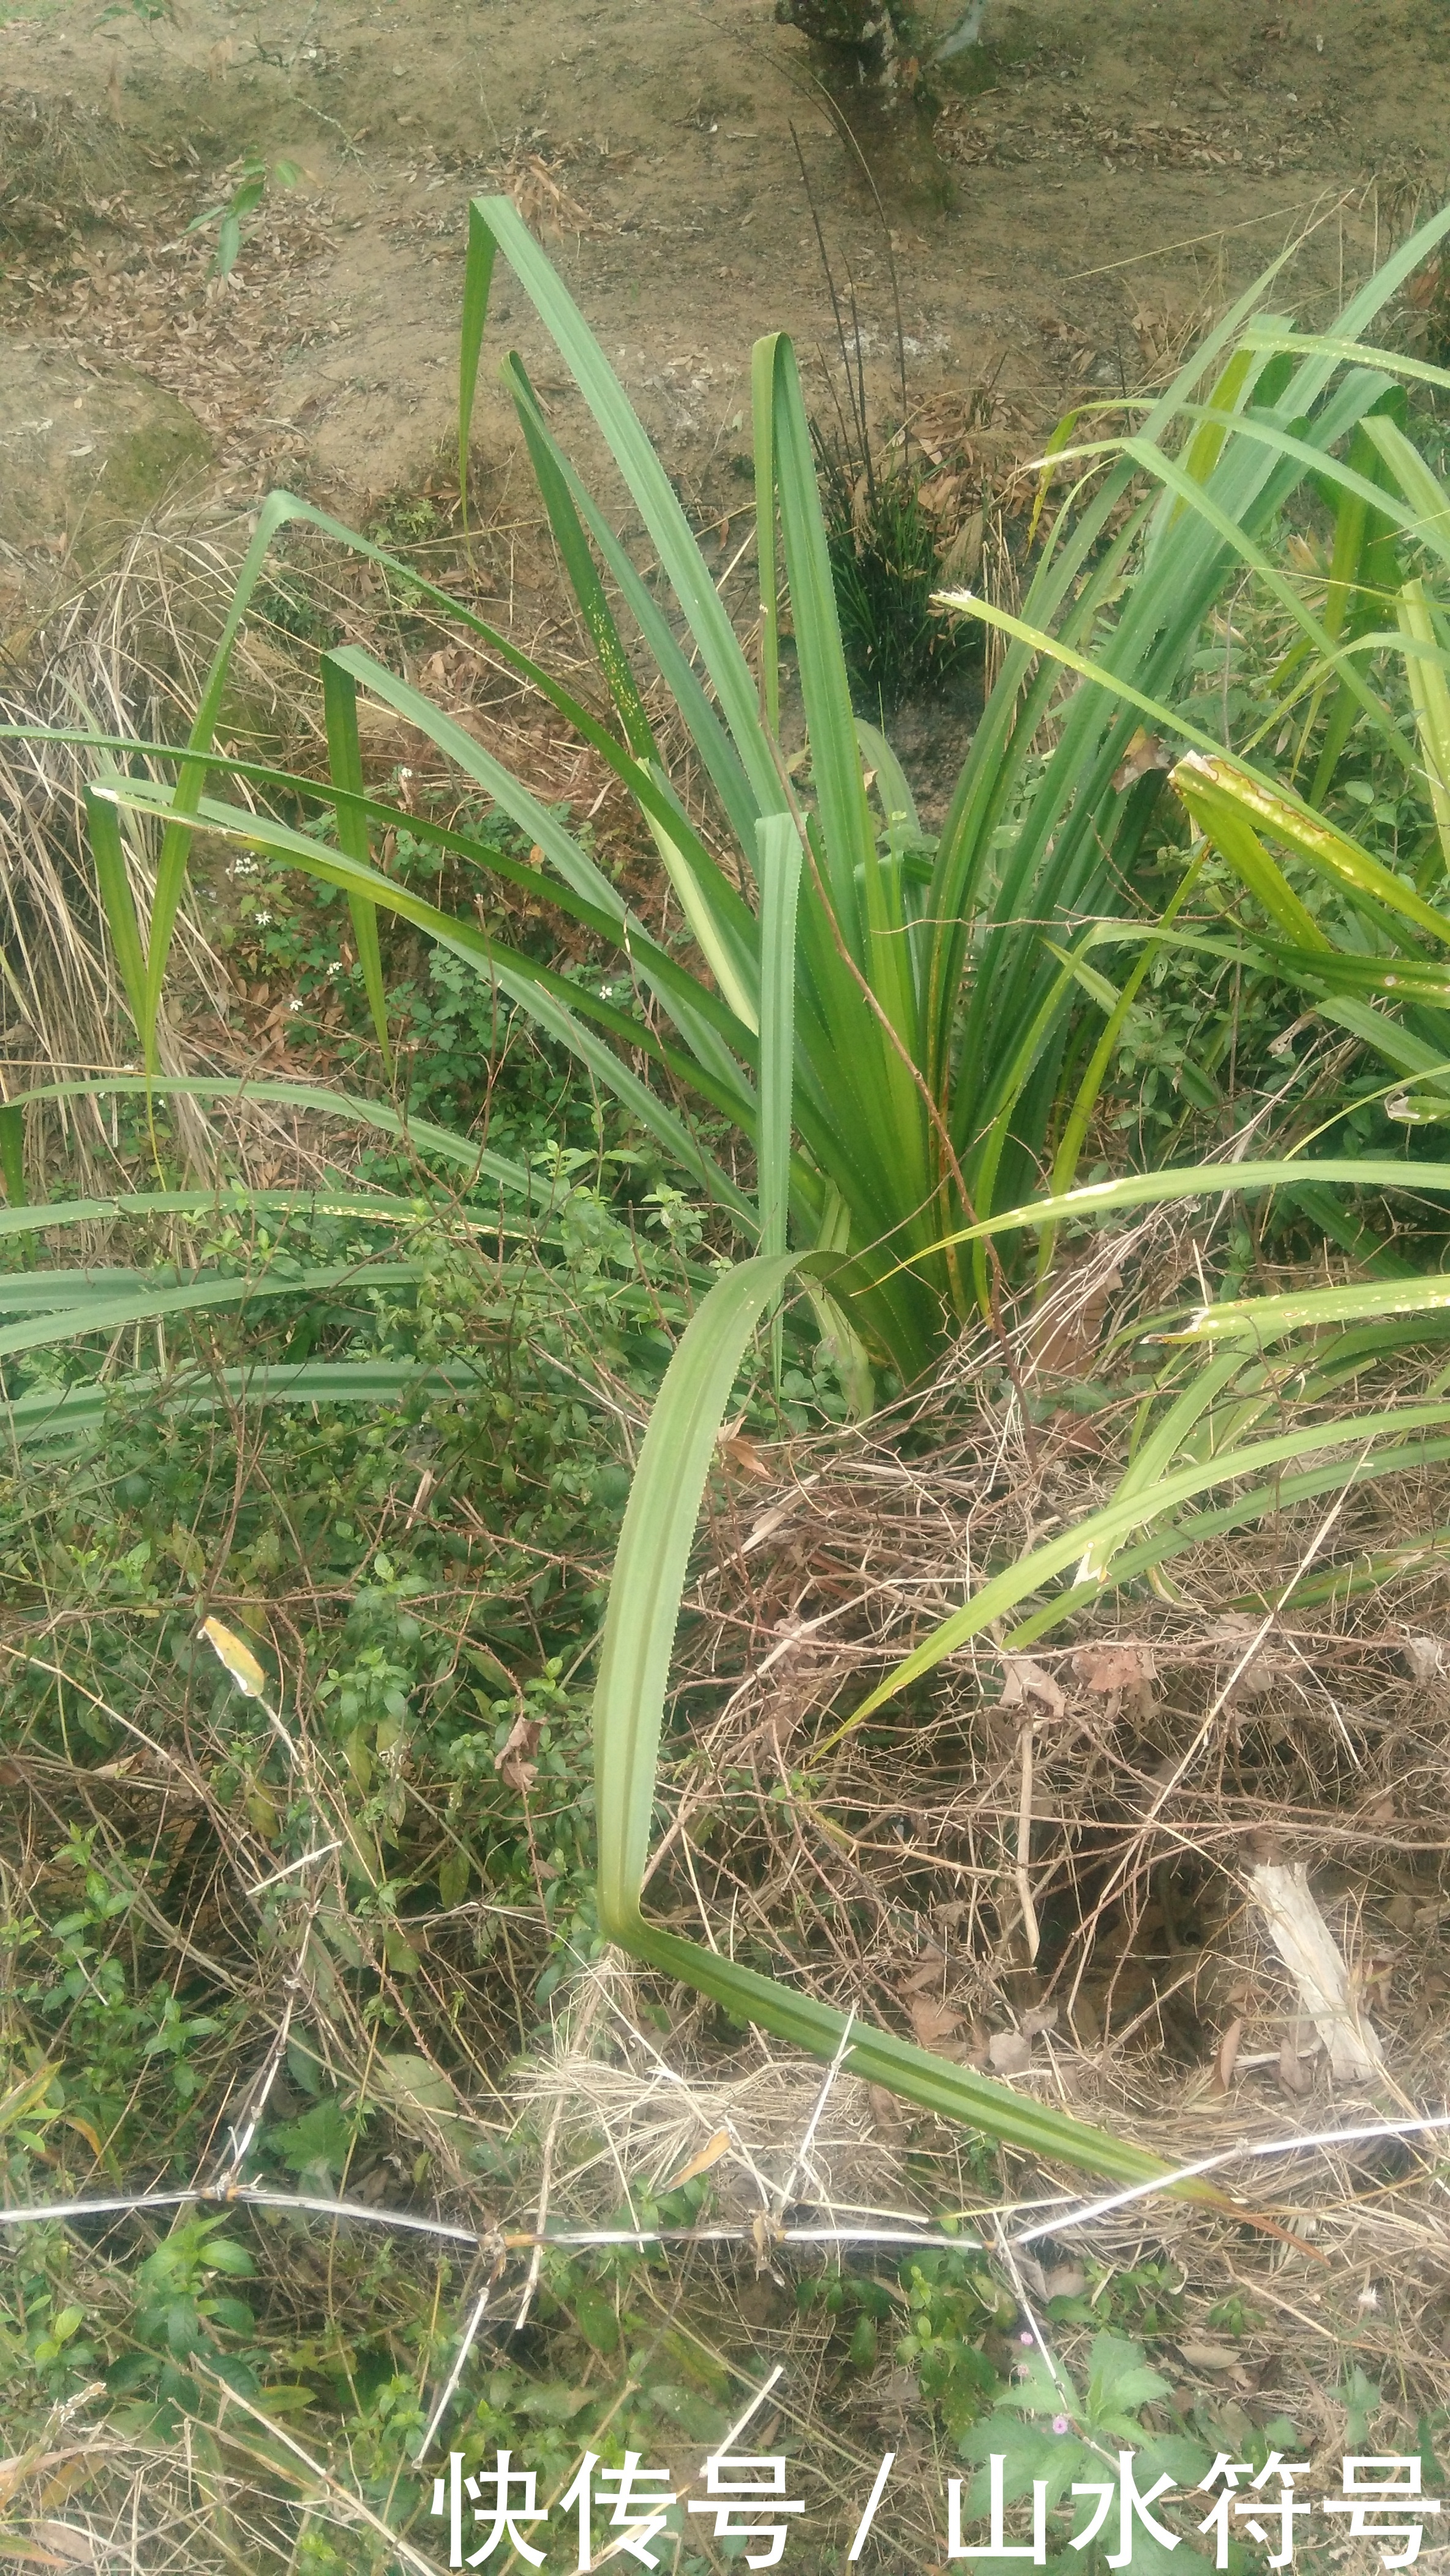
(1061, 199)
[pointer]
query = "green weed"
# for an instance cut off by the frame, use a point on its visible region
(253, 177)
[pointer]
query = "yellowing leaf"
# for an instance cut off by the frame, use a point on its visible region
(187, 1549)
(25, 2096)
(238, 1659)
(262, 1814)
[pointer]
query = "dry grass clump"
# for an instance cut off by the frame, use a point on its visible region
(60, 1004)
(55, 156)
(628, 2115)
(125, 654)
(1044, 1865)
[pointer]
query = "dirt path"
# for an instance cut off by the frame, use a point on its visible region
(1060, 199)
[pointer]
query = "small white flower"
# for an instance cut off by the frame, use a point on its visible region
(336, 967)
(294, 1004)
(263, 919)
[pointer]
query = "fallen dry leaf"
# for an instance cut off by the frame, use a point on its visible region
(926, 1973)
(1105, 1669)
(1009, 2053)
(1064, 2281)
(1228, 2055)
(934, 2024)
(70, 2545)
(709, 2155)
(1422, 1655)
(514, 1764)
(1208, 2356)
(1023, 1680)
(746, 1459)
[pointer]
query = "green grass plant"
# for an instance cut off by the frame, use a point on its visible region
(902, 1038)
(927, 1014)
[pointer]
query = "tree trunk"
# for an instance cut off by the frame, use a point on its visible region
(860, 27)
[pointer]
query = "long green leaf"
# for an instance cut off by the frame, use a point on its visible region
(1263, 1502)
(171, 865)
(579, 565)
(377, 1207)
(1255, 1322)
(721, 761)
(200, 756)
(1272, 338)
(849, 843)
(1207, 1180)
(1095, 1538)
(1431, 697)
(555, 1003)
(709, 904)
(107, 1308)
(1216, 791)
(344, 757)
(74, 1415)
(496, 220)
(779, 851)
(778, 871)
(443, 1143)
(477, 278)
(763, 359)
(103, 828)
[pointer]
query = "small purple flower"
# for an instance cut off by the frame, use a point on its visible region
(1060, 2424)
(1026, 2335)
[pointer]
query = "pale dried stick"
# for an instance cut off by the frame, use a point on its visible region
(460, 2358)
(1024, 1844)
(536, 2259)
(1358, 2136)
(804, 2149)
